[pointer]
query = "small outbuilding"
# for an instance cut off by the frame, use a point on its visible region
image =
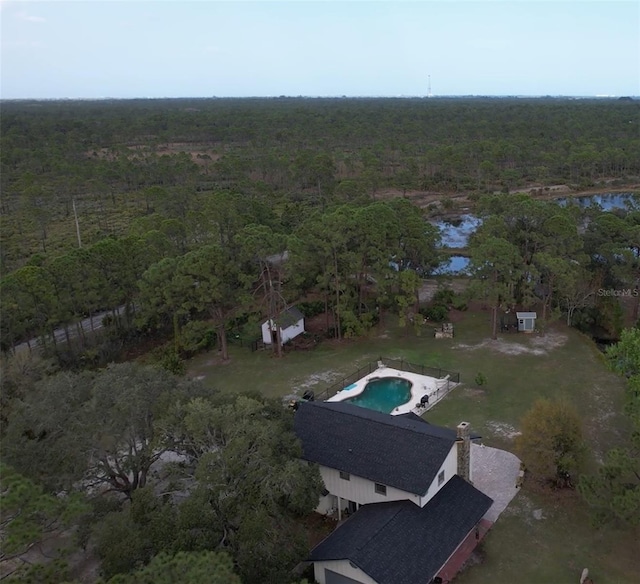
(526, 321)
(290, 322)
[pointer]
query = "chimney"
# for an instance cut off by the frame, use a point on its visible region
(464, 450)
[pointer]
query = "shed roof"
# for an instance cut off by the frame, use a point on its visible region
(401, 543)
(526, 314)
(398, 451)
(288, 317)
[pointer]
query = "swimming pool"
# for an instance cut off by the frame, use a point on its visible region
(383, 394)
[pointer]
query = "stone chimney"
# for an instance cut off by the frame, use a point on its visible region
(464, 450)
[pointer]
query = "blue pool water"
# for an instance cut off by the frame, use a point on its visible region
(384, 394)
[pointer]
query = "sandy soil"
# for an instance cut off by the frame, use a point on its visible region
(526, 344)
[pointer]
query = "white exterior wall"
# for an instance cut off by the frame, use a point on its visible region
(343, 567)
(285, 334)
(292, 331)
(326, 503)
(361, 490)
(266, 333)
(450, 467)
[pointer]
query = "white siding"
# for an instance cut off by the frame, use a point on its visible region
(326, 503)
(285, 334)
(293, 331)
(450, 467)
(266, 333)
(361, 490)
(343, 567)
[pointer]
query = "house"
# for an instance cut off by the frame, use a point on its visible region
(290, 322)
(405, 485)
(526, 321)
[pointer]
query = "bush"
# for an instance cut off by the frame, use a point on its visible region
(444, 296)
(551, 444)
(197, 336)
(312, 308)
(459, 303)
(167, 358)
(435, 313)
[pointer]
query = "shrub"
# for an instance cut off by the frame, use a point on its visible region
(444, 296)
(197, 336)
(435, 313)
(311, 308)
(480, 379)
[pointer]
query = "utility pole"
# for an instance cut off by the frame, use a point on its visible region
(75, 214)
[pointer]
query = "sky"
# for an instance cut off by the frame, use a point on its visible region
(91, 49)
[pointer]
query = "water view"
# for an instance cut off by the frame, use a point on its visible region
(456, 231)
(454, 265)
(607, 201)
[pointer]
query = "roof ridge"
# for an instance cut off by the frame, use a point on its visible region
(412, 425)
(399, 508)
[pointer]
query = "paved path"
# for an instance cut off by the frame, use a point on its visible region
(495, 473)
(61, 335)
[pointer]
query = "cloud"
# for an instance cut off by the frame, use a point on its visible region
(26, 17)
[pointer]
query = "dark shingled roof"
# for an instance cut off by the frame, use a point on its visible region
(401, 543)
(398, 451)
(289, 317)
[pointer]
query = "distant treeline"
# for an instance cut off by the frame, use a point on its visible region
(105, 155)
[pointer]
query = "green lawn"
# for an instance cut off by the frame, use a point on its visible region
(520, 548)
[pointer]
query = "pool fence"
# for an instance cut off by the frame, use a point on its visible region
(399, 364)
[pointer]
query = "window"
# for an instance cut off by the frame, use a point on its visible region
(381, 489)
(441, 478)
(345, 476)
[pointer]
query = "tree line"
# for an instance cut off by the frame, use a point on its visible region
(358, 259)
(561, 259)
(104, 157)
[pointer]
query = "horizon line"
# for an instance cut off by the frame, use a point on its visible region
(300, 96)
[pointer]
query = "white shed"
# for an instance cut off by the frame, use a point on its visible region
(291, 323)
(526, 321)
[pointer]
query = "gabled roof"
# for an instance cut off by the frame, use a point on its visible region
(288, 317)
(398, 451)
(401, 543)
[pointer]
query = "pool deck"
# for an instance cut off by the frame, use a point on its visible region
(421, 385)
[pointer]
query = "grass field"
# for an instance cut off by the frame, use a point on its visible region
(543, 537)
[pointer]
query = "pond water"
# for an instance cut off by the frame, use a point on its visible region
(456, 231)
(607, 201)
(454, 265)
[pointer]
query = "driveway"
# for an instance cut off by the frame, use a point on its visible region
(495, 473)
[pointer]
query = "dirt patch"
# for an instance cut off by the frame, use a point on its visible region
(324, 379)
(318, 324)
(503, 430)
(473, 392)
(430, 287)
(532, 345)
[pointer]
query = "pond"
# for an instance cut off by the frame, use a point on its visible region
(455, 264)
(455, 232)
(607, 201)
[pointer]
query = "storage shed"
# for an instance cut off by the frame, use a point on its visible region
(290, 322)
(526, 321)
